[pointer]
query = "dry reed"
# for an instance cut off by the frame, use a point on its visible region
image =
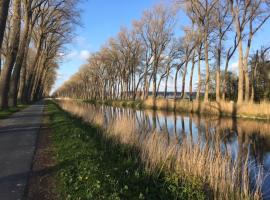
(226, 177)
(246, 109)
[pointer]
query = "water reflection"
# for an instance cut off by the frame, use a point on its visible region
(247, 140)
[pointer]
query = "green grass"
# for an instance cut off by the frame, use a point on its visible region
(92, 166)
(6, 113)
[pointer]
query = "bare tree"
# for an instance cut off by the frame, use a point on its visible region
(191, 75)
(188, 46)
(199, 52)
(31, 14)
(223, 24)
(156, 27)
(229, 53)
(55, 18)
(200, 12)
(4, 6)
(11, 54)
(246, 14)
(174, 53)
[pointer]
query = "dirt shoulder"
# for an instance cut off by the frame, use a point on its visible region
(42, 183)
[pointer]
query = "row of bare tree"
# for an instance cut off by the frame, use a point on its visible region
(32, 34)
(140, 59)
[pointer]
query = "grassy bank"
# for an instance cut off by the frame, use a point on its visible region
(6, 113)
(95, 166)
(223, 108)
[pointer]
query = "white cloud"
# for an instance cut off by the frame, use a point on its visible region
(61, 54)
(84, 54)
(81, 42)
(71, 55)
(233, 67)
(60, 75)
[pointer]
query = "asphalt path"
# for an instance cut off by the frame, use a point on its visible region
(18, 135)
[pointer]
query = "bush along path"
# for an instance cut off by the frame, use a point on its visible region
(92, 166)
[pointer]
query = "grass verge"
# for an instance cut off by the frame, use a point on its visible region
(6, 113)
(93, 166)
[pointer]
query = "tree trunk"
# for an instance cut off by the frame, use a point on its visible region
(23, 79)
(145, 82)
(254, 75)
(159, 82)
(224, 82)
(4, 6)
(166, 81)
(134, 84)
(238, 30)
(122, 85)
(206, 95)
(32, 73)
(23, 50)
(154, 85)
(184, 80)
(245, 67)
(199, 76)
(137, 85)
(247, 90)
(240, 72)
(127, 86)
(175, 83)
(40, 85)
(191, 77)
(218, 72)
(11, 55)
(37, 75)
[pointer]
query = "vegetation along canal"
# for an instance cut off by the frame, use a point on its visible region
(224, 151)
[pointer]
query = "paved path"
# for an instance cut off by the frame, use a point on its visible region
(17, 145)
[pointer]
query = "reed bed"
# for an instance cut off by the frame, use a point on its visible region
(226, 108)
(221, 175)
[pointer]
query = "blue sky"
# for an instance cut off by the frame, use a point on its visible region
(102, 19)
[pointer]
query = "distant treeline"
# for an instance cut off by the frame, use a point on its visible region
(150, 54)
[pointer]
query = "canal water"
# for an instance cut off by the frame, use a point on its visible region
(243, 138)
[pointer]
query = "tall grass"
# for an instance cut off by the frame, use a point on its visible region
(248, 109)
(223, 176)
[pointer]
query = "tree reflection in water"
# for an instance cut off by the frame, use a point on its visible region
(247, 140)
